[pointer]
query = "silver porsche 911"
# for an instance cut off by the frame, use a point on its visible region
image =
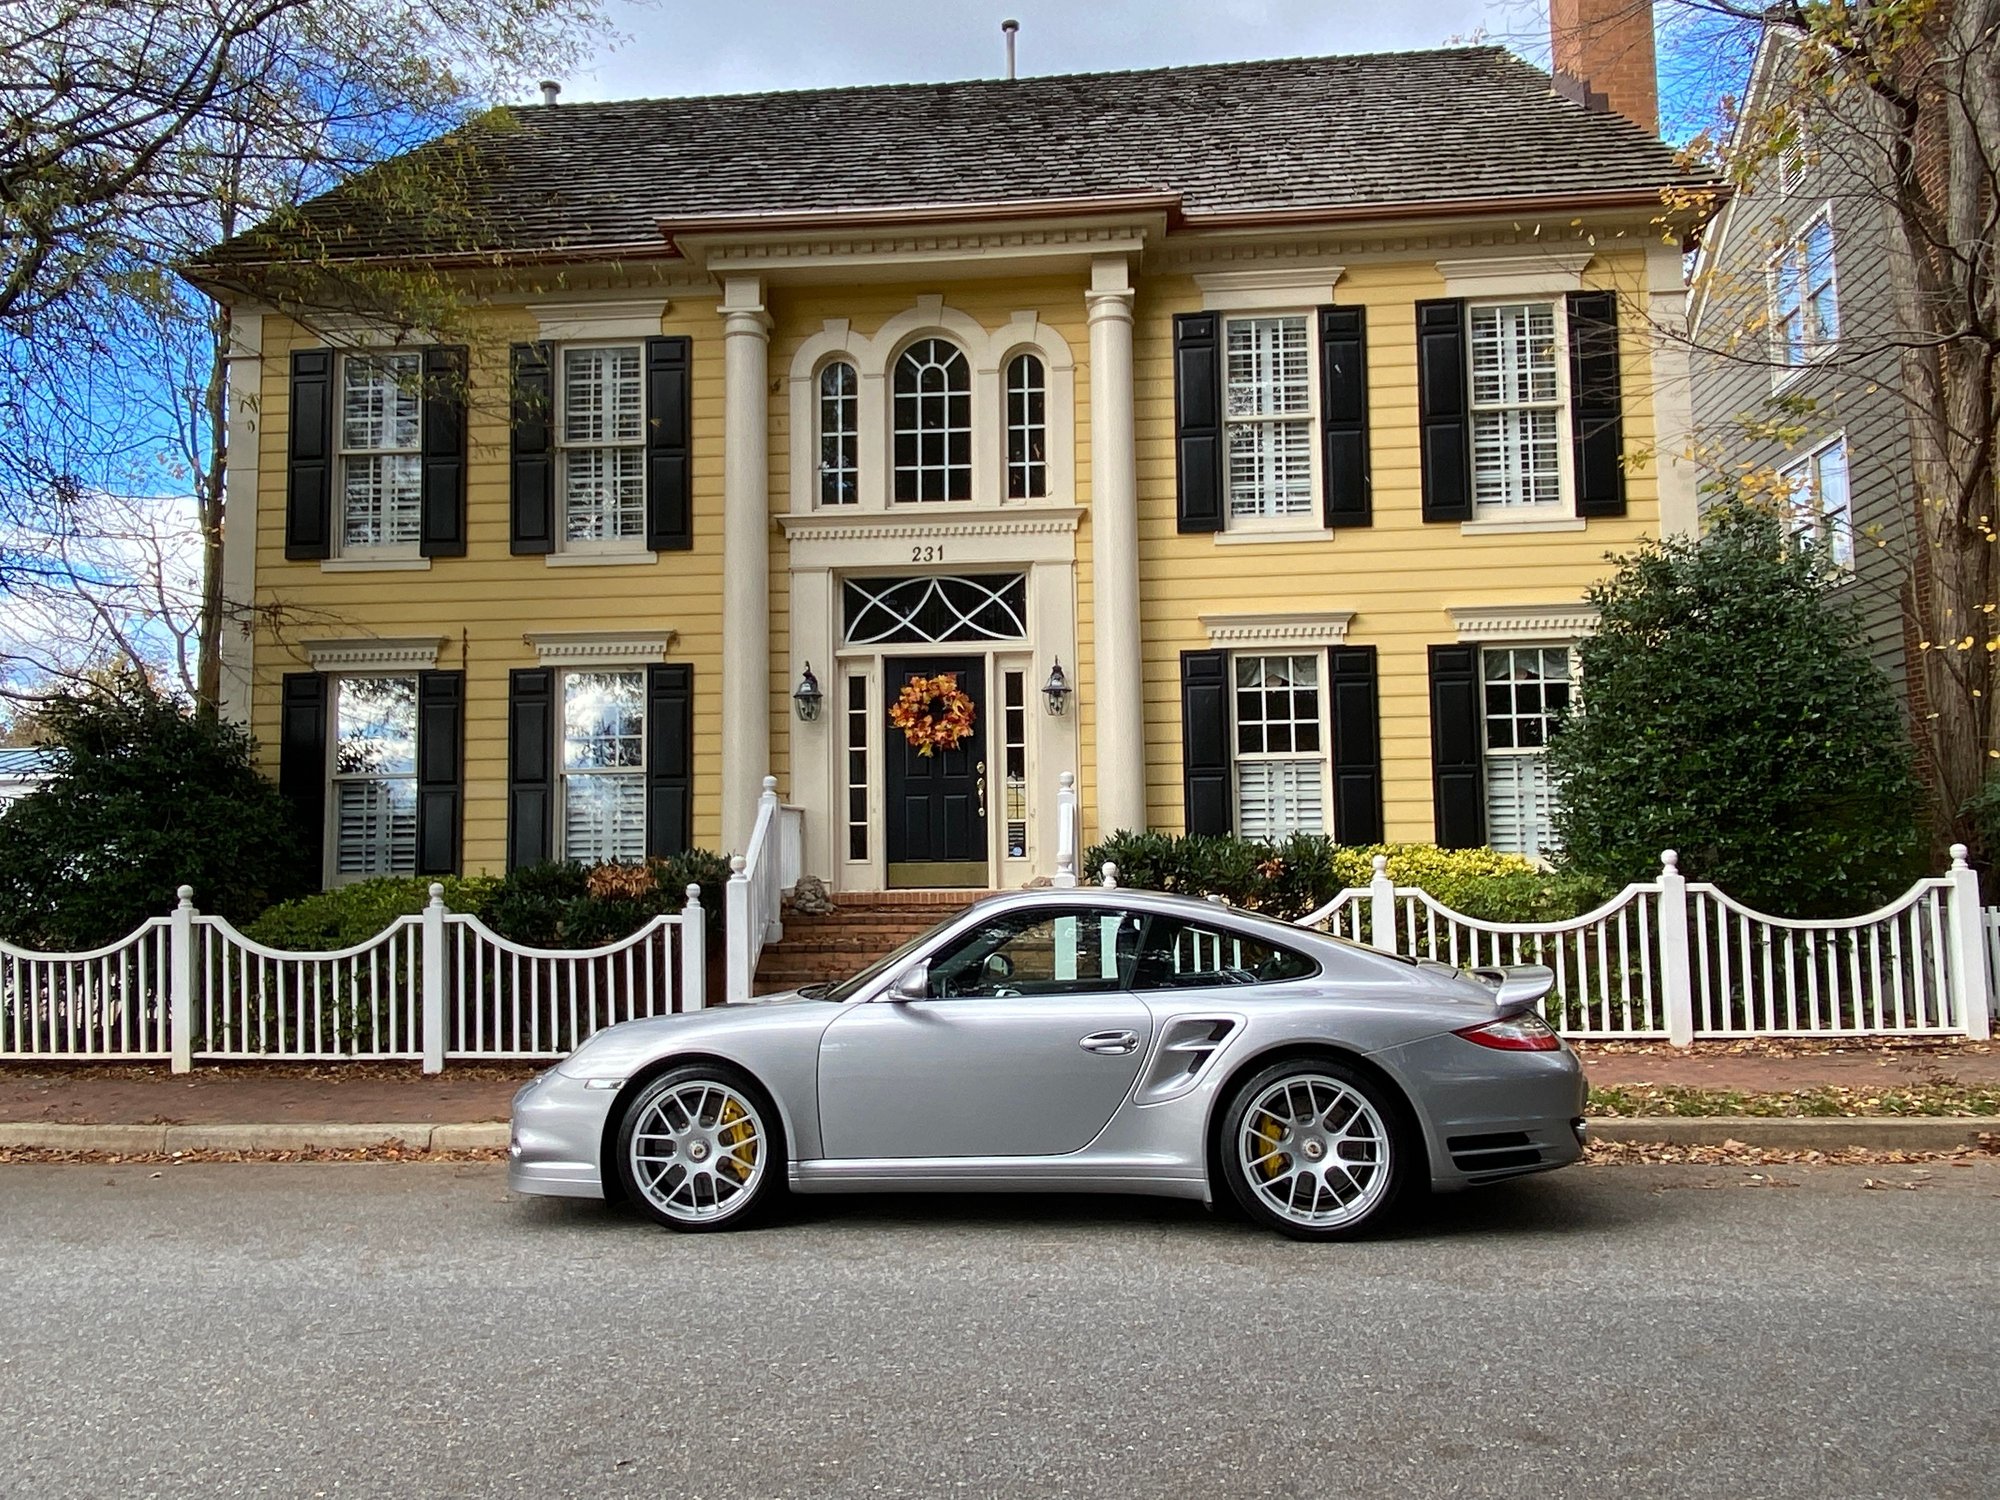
(1087, 1040)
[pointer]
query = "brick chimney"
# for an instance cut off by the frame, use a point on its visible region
(1603, 56)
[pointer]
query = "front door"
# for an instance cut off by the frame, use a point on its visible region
(936, 803)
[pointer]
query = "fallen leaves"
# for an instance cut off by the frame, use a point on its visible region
(387, 1152)
(1734, 1153)
(1933, 1099)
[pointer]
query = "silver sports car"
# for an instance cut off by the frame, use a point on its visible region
(1087, 1040)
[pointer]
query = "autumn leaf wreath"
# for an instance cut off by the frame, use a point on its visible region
(933, 713)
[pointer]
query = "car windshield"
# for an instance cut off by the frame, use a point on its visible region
(847, 989)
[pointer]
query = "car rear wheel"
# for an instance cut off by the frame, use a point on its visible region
(1315, 1149)
(700, 1148)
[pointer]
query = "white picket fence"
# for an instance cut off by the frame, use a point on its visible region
(440, 985)
(1676, 960)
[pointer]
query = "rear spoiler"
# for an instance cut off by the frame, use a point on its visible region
(1517, 988)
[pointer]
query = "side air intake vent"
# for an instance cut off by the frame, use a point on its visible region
(1500, 1151)
(1185, 1049)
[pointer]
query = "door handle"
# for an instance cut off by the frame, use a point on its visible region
(1110, 1043)
(979, 785)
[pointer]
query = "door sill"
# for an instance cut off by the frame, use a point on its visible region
(936, 874)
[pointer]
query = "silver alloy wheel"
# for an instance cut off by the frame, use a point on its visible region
(698, 1151)
(1315, 1151)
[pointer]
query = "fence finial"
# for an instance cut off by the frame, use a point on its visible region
(1110, 876)
(1958, 854)
(437, 894)
(1067, 781)
(186, 892)
(1380, 863)
(735, 865)
(694, 897)
(771, 787)
(1669, 860)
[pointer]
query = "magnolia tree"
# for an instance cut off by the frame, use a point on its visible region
(137, 134)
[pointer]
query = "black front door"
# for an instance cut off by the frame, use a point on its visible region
(936, 803)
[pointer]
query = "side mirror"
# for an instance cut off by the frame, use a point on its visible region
(914, 983)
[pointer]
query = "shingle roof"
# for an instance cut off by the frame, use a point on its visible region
(1362, 132)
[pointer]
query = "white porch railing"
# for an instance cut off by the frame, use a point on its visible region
(753, 902)
(1664, 958)
(433, 986)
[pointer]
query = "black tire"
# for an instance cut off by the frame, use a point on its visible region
(688, 1122)
(1377, 1164)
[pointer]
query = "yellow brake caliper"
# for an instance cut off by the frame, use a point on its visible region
(1270, 1132)
(739, 1135)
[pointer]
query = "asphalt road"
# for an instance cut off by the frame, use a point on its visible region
(404, 1330)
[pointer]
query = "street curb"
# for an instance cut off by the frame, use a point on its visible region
(166, 1139)
(1793, 1133)
(1798, 1132)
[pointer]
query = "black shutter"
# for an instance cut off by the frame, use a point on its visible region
(669, 758)
(1343, 416)
(1198, 421)
(444, 451)
(310, 458)
(1596, 416)
(440, 779)
(1458, 782)
(669, 416)
(531, 782)
(531, 457)
(1357, 745)
(302, 767)
(1206, 782)
(1441, 410)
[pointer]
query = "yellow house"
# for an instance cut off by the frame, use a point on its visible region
(1280, 412)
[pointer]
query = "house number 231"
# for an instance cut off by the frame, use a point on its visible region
(923, 552)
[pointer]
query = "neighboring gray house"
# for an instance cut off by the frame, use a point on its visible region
(1793, 370)
(21, 771)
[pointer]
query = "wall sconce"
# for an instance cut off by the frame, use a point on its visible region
(806, 696)
(1057, 690)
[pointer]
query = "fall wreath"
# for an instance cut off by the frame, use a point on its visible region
(932, 713)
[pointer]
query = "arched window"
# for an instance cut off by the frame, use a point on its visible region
(1027, 428)
(839, 439)
(933, 423)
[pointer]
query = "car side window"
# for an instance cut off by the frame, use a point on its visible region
(1176, 954)
(1039, 953)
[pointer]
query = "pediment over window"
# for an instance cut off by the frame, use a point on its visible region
(374, 654)
(1523, 622)
(576, 648)
(1294, 628)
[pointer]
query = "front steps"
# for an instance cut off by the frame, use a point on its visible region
(861, 928)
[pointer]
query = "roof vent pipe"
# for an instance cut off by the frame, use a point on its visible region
(1010, 27)
(550, 88)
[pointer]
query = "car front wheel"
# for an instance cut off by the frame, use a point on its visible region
(1314, 1149)
(700, 1148)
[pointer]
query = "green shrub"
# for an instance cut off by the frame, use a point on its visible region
(558, 904)
(1303, 872)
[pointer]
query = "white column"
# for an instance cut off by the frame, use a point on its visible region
(1673, 394)
(243, 391)
(746, 563)
(1117, 686)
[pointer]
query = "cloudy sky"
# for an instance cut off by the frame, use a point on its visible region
(702, 47)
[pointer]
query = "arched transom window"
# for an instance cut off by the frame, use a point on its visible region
(839, 435)
(1027, 428)
(933, 423)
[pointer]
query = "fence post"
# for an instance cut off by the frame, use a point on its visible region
(1676, 972)
(694, 951)
(1968, 948)
(736, 963)
(1382, 907)
(1065, 876)
(180, 982)
(434, 1025)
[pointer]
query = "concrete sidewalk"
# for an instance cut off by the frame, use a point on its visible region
(144, 1108)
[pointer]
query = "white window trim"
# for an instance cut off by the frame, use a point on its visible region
(874, 358)
(1312, 519)
(611, 322)
(384, 557)
(972, 430)
(599, 650)
(331, 875)
(1783, 371)
(1277, 632)
(1549, 515)
(374, 656)
(607, 550)
(819, 503)
(1525, 276)
(1257, 289)
(1523, 624)
(1324, 755)
(1806, 467)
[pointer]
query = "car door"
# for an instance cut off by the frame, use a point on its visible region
(1025, 1044)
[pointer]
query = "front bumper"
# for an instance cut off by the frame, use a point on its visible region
(557, 1137)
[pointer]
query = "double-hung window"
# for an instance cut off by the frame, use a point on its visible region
(381, 464)
(1527, 692)
(1281, 763)
(374, 776)
(1805, 307)
(1518, 407)
(604, 767)
(603, 433)
(1820, 507)
(1268, 415)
